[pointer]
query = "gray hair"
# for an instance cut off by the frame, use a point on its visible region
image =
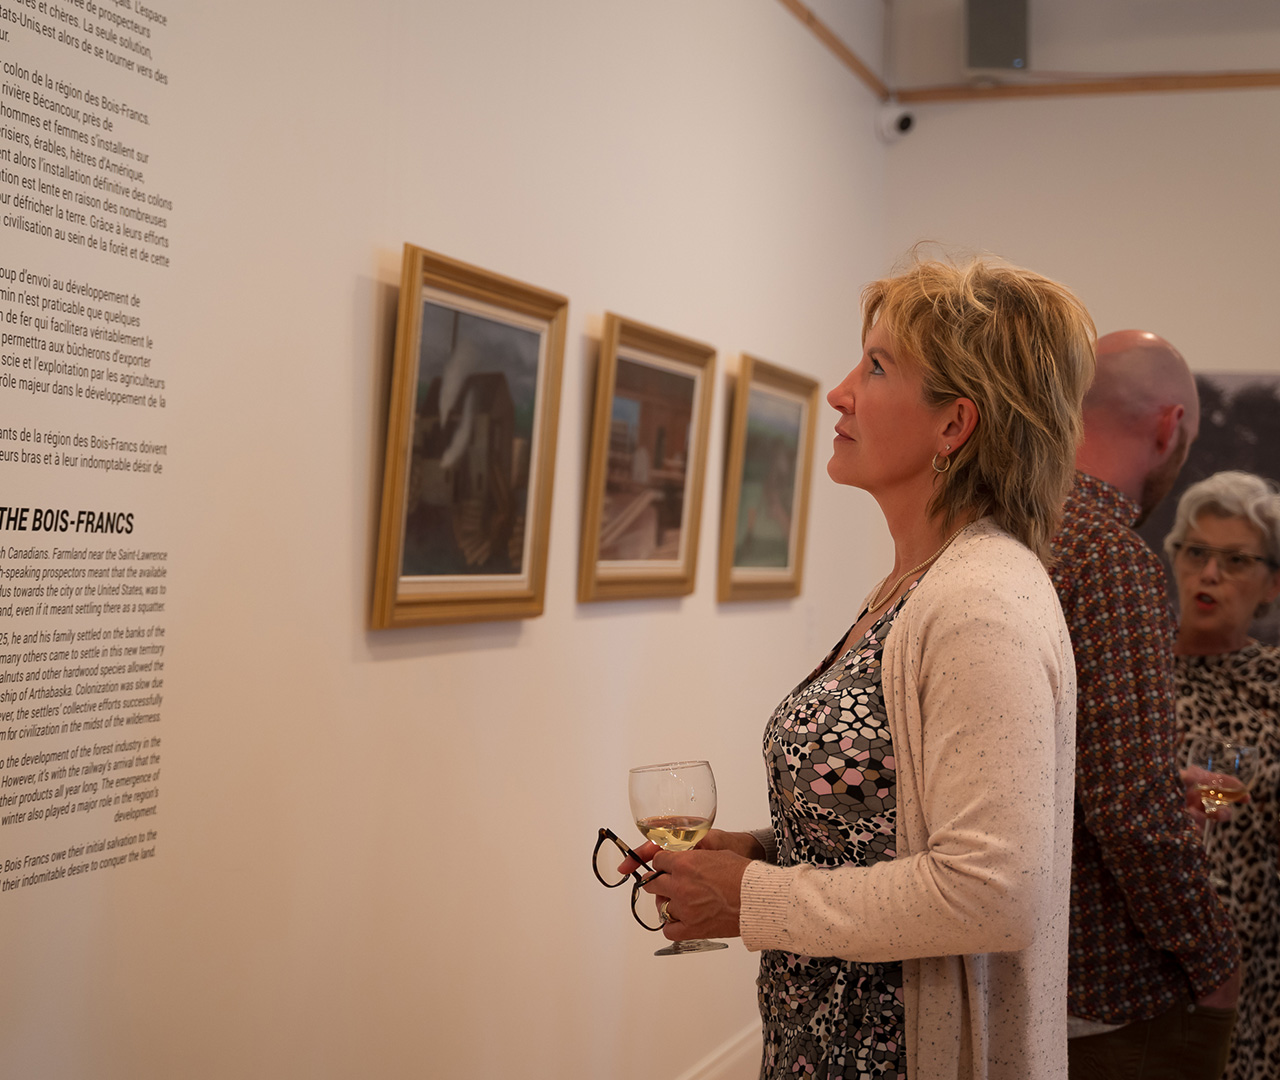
(1231, 494)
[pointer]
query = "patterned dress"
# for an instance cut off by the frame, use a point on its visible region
(832, 796)
(1237, 696)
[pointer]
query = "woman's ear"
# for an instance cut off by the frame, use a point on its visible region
(961, 416)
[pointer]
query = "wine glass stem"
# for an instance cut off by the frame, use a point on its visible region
(1210, 832)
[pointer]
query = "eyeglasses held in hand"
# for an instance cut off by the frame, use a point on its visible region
(1231, 564)
(609, 852)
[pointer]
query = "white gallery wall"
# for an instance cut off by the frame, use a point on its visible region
(1160, 210)
(373, 846)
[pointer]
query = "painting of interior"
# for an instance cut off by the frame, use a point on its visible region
(648, 462)
(648, 458)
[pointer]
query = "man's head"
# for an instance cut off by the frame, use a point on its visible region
(1140, 416)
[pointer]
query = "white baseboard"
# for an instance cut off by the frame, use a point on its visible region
(737, 1059)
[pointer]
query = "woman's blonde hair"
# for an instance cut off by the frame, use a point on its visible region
(1021, 348)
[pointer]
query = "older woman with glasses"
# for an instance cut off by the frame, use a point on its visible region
(1225, 547)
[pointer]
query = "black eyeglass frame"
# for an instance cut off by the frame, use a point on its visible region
(639, 880)
(1221, 553)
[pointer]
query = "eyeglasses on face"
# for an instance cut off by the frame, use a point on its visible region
(1232, 564)
(609, 853)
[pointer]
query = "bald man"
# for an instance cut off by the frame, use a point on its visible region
(1154, 963)
(1140, 417)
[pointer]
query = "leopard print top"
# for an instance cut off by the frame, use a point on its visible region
(1237, 696)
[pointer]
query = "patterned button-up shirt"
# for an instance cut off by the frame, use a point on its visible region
(1146, 925)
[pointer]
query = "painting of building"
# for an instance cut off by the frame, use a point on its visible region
(468, 485)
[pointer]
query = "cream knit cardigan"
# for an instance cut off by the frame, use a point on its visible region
(979, 687)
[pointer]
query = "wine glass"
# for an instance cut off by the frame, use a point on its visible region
(674, 805)
(1234, 768)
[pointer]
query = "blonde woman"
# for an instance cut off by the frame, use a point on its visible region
(910, 900)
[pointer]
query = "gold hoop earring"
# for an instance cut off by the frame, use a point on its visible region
(946, 463)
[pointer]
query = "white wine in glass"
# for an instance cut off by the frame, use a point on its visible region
(674, 805)
(1219, 792)
(675, 832)
(1234, 768)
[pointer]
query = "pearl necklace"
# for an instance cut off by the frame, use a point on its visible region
(915, 569)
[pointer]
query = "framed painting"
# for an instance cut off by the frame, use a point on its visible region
(471, 442)
(648, 459)
(767, 473)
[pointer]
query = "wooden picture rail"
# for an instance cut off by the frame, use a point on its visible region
(842, 51)
(1129, 84)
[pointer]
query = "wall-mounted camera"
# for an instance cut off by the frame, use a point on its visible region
(894, 122)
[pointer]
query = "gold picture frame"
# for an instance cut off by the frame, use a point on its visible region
(471, 442)
(768, 471)
(640, 522)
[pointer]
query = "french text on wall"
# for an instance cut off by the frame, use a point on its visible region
(87, 263)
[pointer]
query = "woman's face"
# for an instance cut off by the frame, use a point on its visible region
(1218, 602)
(886, 435)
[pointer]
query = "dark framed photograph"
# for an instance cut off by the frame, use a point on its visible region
(471, 441)
(767, 473)
(648, 459)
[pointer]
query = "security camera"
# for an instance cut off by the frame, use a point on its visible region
(894, 121)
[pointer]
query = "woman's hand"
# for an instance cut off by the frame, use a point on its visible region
(1192, 777)
(741, 843)
(700, 898)
(702, 890)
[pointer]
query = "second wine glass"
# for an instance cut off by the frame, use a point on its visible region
(1234, 768)
(674, 805)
